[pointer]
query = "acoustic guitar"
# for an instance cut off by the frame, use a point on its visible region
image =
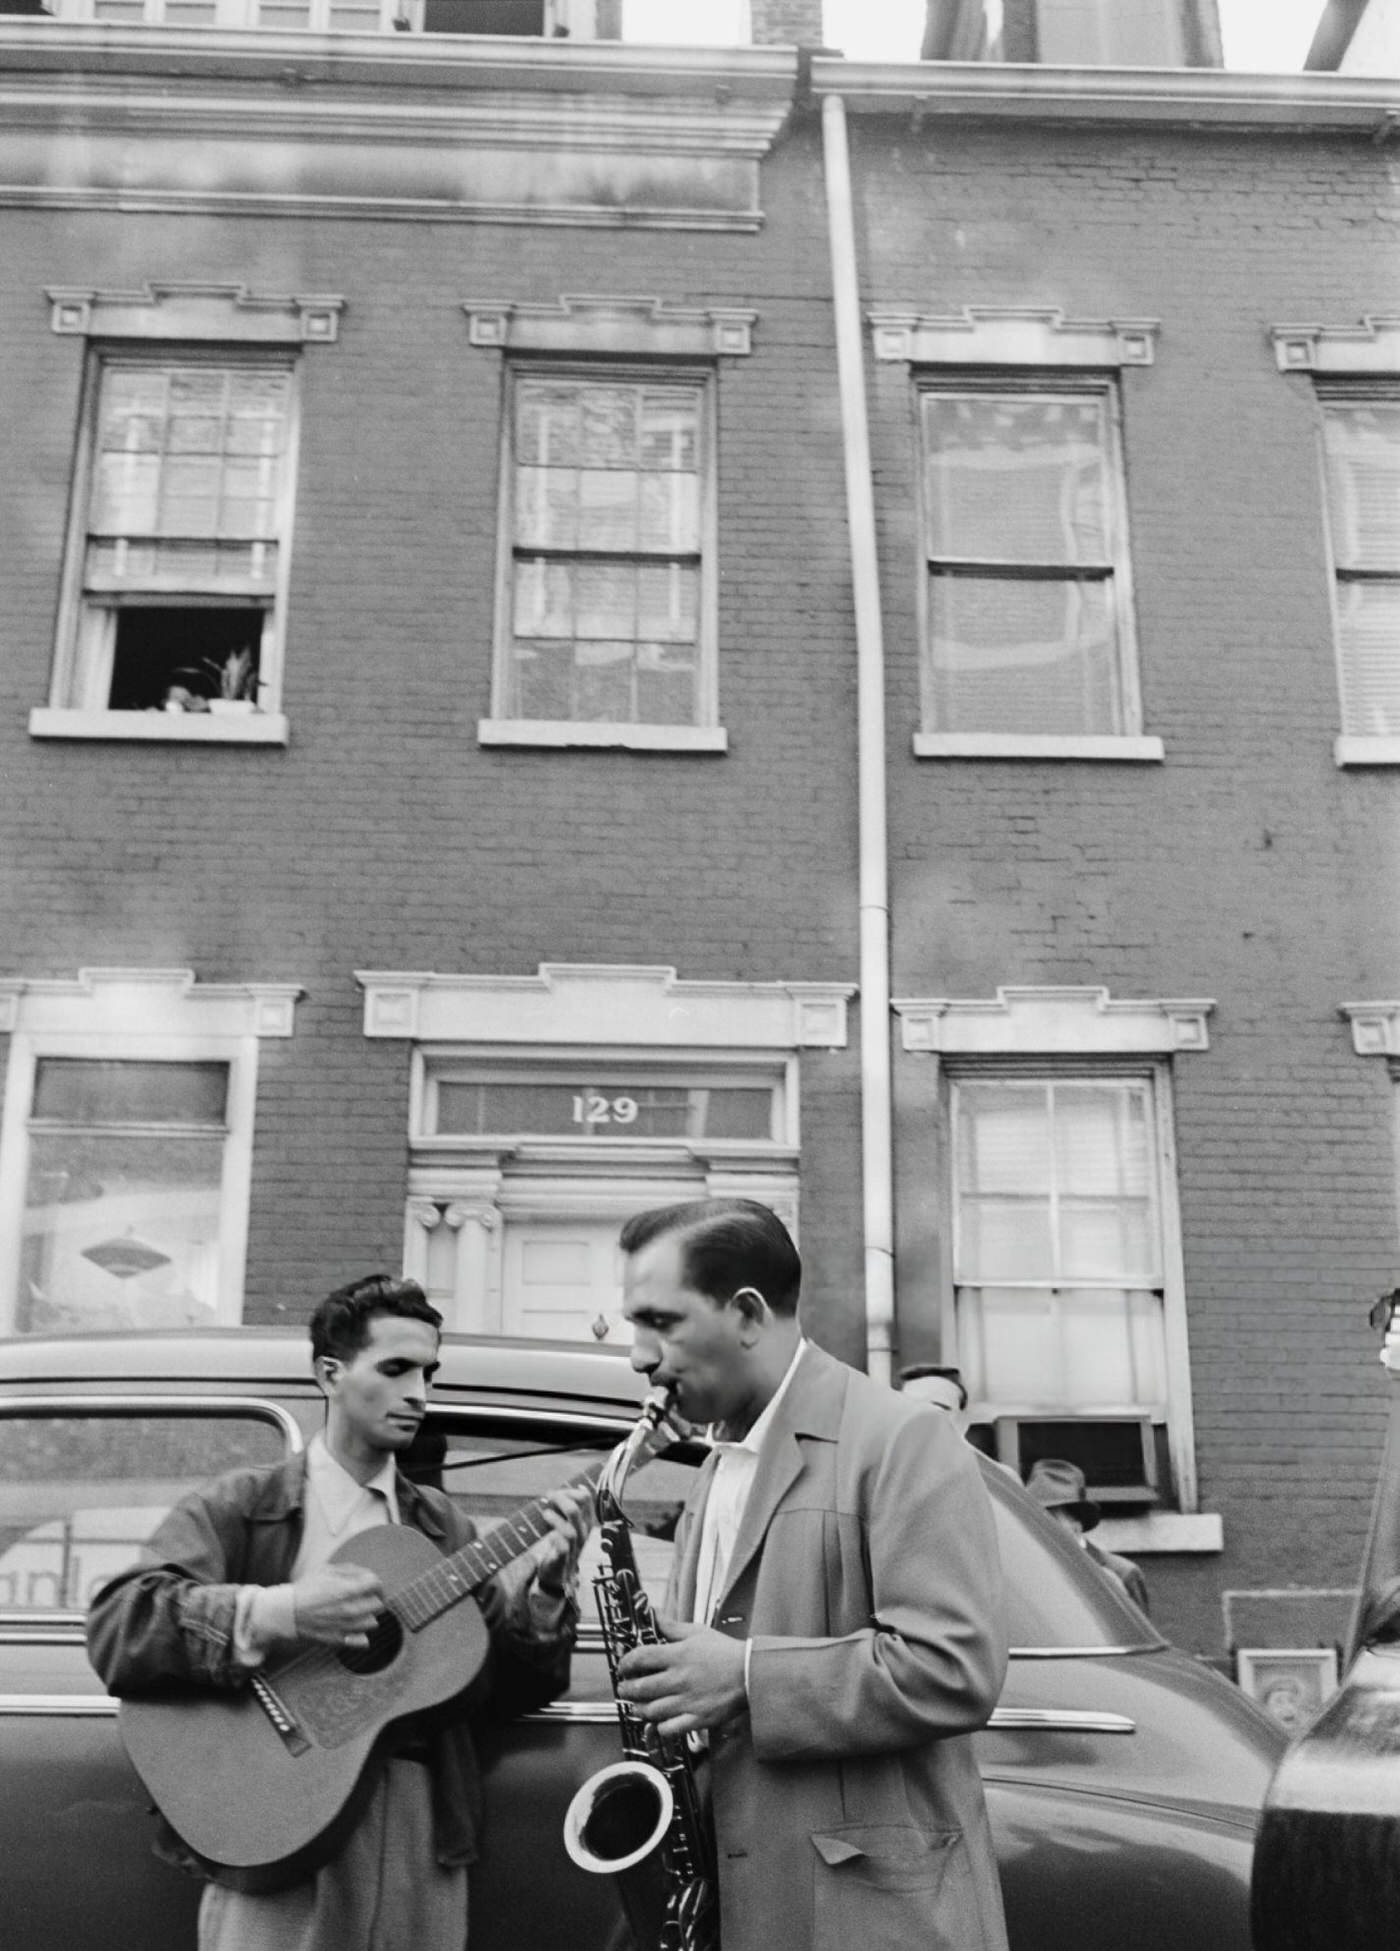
(264, 1782)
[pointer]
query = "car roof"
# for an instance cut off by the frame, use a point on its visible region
(267, 1355)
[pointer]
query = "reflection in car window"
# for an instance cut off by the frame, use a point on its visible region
(491, 1466)
(80, 1494)
(1056, 1596)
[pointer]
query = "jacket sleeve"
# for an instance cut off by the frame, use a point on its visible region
(932, 1661)
(169, 1619)
(527, 1667)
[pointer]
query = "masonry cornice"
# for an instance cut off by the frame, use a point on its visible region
(404, 126)
(1183, 98)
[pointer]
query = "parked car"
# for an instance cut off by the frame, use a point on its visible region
(1123, 1778)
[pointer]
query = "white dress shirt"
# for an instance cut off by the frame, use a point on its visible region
(730, 1486)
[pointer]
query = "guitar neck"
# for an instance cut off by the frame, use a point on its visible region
(461, 1573)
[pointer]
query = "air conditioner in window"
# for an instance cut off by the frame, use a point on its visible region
(1124, 1458)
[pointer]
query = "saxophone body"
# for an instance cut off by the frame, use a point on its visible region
(643, 1820)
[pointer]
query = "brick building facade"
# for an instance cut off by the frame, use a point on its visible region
(477, 409)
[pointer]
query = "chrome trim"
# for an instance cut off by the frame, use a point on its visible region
(92, 1707)
(56, 1629)
(1085, 1652)
(141, 1403)
(1061, 1720)
(1045, 1720)
(495, 1412)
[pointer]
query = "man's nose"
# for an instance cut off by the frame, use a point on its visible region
(645, 1354)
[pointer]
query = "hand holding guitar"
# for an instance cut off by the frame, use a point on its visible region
(337, 1605)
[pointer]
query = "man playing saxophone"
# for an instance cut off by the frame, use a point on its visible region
(834, 1623)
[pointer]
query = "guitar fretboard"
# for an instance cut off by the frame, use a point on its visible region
(463, 1572)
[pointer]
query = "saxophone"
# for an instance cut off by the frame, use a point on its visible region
(642, 1820)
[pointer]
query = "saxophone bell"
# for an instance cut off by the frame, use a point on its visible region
(618, 1817)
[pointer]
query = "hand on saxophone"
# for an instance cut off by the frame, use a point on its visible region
(694, 1679)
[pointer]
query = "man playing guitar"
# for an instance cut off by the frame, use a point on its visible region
(238, 1573)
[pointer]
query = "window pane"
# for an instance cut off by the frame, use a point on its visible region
(79, 1495)
(1003, 1138)
(668, 604)
(543, 599)
(83, 1091)
(1023, 656)
(667, 685)
(605, 1108)
(1017, 480)
(1368, 620)
(1362, 445)
(189, 451)
(120, 1231)
(1069, 1349)
(603, 684)
(1005, 1240)
(605, 600)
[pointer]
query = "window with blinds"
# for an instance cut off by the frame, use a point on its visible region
(606, 609)
(188, 480)
(1027, 608)
(1361, 458)
(1058, 1249)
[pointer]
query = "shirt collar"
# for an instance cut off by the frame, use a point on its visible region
(338, 1493)
(764, 1422)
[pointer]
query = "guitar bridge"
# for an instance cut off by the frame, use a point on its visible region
(288, 1731)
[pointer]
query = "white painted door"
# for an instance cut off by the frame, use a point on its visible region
(562, 1279)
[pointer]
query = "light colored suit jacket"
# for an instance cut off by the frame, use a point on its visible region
(848, 1808)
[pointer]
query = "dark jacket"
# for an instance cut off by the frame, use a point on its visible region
(170, 1619)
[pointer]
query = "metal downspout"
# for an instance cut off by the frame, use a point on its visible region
(876, 1159)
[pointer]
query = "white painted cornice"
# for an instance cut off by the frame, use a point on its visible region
(146, 1002)
(985, 335)
(1070, 1022)
(1189, 98)
(1372, 347)
(402, 126)
(599, 1003)
(596, 325)
(1375, 1028)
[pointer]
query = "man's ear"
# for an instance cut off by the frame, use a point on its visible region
(326, 1368)
(753, 1311)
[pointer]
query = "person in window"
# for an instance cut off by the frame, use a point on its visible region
(242, 1570)
(834, 1623)
(1058, 1487)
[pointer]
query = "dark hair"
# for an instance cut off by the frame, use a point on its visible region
(953, 1375)
(341, 1324)
(726, 1244)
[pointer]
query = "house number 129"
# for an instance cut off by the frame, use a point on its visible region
(592, 1108)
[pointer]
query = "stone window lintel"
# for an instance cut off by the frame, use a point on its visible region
(219, 313)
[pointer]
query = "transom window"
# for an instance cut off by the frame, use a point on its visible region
(602, 1104)
(605, 613)
(124, 1195)
(187, 509)
(1361, 454)
(1027, 607)
(1058, 1252)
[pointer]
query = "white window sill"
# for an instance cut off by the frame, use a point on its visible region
(631, 738)
(1029, 745)
(1351, 749)
(1193, 1531)
(163, 727)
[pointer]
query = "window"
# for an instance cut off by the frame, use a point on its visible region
(187, 511)
(1027, 607)
(606, 601)
(82, 1490)
(126, 1148)
(1059, 1268)
(1361, 457)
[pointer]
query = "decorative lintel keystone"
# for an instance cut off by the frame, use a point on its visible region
(1071, 1022)
(627, 325)
(221, 313)
(601, 1004)
(1371, 347)
(1375, 1028)
(148, 1002)
(984, 335)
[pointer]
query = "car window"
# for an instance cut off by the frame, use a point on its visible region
(80, 1493)
(491, 1466)
(1056, 1596)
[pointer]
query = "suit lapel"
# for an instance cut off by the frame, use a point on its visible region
(811, 1408)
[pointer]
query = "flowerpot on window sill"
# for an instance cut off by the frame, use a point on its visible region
(232, 707)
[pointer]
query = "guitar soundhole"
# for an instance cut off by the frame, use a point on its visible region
(384, 1642)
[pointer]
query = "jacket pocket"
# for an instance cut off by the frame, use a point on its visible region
(888, 1887)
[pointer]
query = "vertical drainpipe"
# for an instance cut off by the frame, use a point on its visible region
(875, 1076)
